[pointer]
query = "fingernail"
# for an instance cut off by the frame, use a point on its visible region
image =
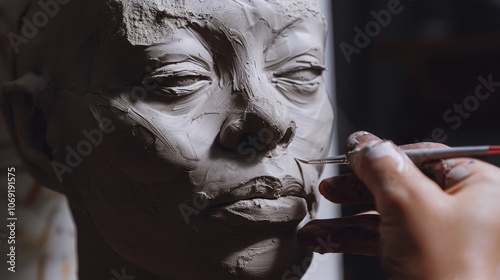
(324, 189)
(449, 163)
(386, 149)
(356, 138)
(456, 174)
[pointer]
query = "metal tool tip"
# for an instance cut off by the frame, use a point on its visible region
(302, 160)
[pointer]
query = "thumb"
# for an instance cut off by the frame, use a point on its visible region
(398, 186)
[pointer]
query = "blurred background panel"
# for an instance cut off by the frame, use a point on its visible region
(45, 236)
(414, 71)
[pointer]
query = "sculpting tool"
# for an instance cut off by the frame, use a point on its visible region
(422, 155)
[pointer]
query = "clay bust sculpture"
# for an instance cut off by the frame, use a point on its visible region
(172, 127)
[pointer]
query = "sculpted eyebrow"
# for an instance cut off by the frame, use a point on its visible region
(214, 36)
(281, 31)
(229, 49)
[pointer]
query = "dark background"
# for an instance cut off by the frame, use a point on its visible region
(427, 58)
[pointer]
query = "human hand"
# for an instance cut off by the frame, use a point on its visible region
(445, 228)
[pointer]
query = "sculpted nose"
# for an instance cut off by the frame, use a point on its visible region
(261, 127)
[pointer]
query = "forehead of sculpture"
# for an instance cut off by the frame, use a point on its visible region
(148, 22)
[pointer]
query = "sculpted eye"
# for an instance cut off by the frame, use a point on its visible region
(298, 80)
(175, 81)
(303, 75)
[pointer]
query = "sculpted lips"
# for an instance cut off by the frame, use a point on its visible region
(263, 187)
(259, 202)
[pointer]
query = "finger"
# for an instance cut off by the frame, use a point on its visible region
(430, 169)
(435, 170)
(396, 183)
(459, 173)
(346, 189)
(446, 173)
(351, 190)
(356, 138)
(452, 172)
(354, 235)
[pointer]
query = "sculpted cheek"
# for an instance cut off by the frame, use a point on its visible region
(314, 128)
(166, 139)
(158, 147)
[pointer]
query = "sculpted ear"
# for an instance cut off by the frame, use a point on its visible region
(26, 117)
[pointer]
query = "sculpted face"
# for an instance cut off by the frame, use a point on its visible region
(204, 106)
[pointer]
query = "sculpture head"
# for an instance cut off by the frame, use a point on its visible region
(173, 127)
